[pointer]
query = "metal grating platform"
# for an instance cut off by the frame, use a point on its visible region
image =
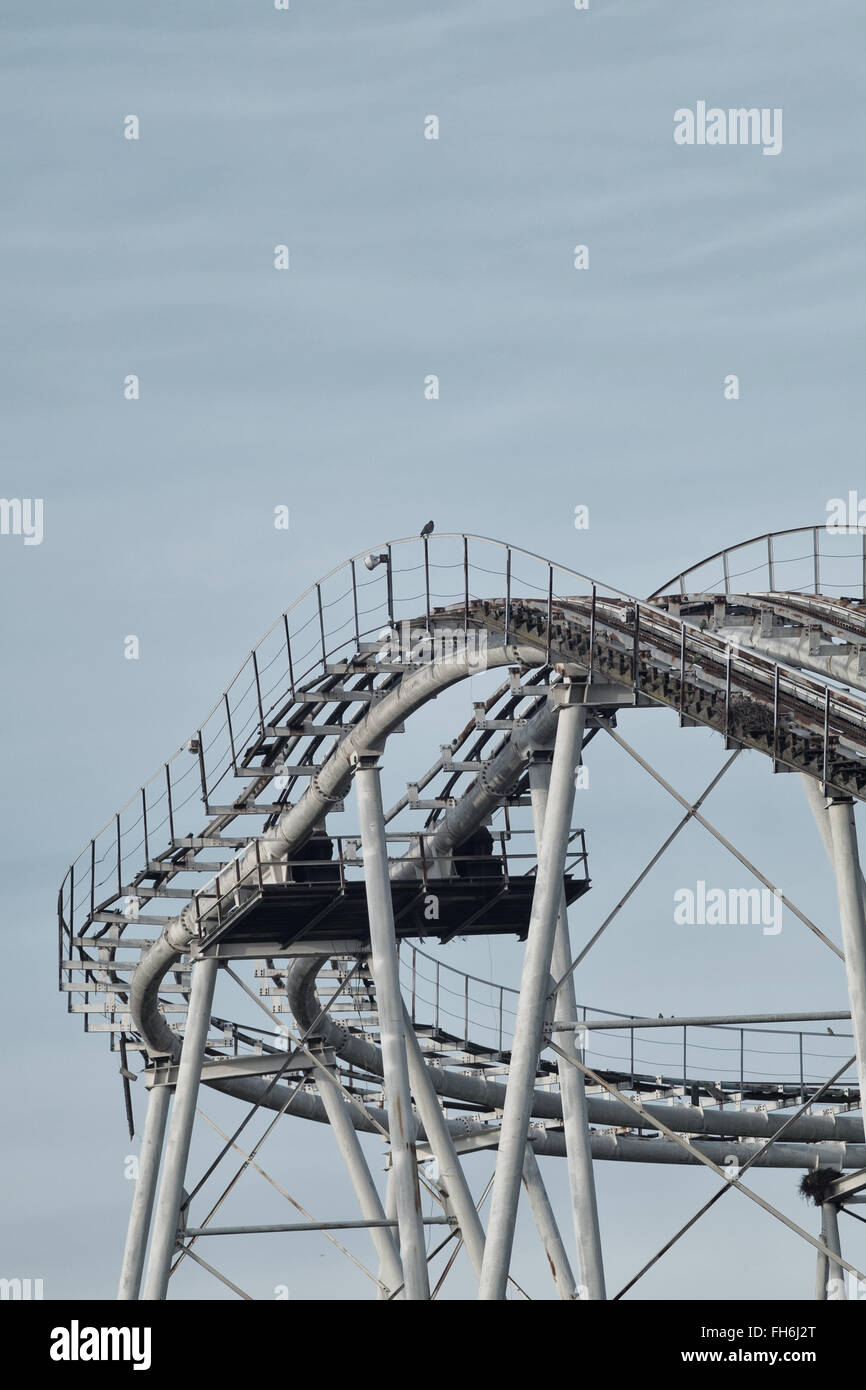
(288, 912)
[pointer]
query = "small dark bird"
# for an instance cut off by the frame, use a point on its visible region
(661, 1015)
(830, 1031)
(427, 530)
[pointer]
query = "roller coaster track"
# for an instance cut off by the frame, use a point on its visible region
(781, 673)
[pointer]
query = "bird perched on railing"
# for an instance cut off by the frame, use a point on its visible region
(426, 530)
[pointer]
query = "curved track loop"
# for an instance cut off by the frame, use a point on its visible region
(777, 672)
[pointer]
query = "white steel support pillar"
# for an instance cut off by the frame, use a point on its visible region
(535, 987)
(818, 806)
(830, 1237)
(390, 1009)
(390, 1269)
(451, 1175)
(572, 1086)
(144, 1192)
(204, 975)
(821, 1266)
(548, 1230)
(846, 862)
(391, 1215)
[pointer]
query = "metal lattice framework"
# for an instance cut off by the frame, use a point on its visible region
(332, 915)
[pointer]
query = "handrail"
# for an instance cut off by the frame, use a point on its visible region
(646, 619)
(315, 588)
(624, 1033)
(772, 560)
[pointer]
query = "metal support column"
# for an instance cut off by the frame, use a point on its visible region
(204, 975)
(144, 1192)
(818, 806)
(451, 1175)
(535, 986)
(390, 1269)
(830, 1236)
(821, 1267)
(391, 1215)
(840, 813)
(572, 1086)
(548, 1230)
(390, 1008)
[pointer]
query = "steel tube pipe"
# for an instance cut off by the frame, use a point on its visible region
(389, 1001)
(451, 1176)
(180, 1129)
(483, 1094)
(840, 814)
(144, 1192)
(340, 1120)
(548, 1230)
(830, 1235)
(534, 990)
(572, 1087)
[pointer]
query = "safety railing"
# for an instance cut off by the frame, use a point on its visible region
(506, 860)
(480, 1014)
(742, 1059)
(802, 559)
(365, 600)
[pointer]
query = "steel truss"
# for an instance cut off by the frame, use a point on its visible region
(156, 925)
